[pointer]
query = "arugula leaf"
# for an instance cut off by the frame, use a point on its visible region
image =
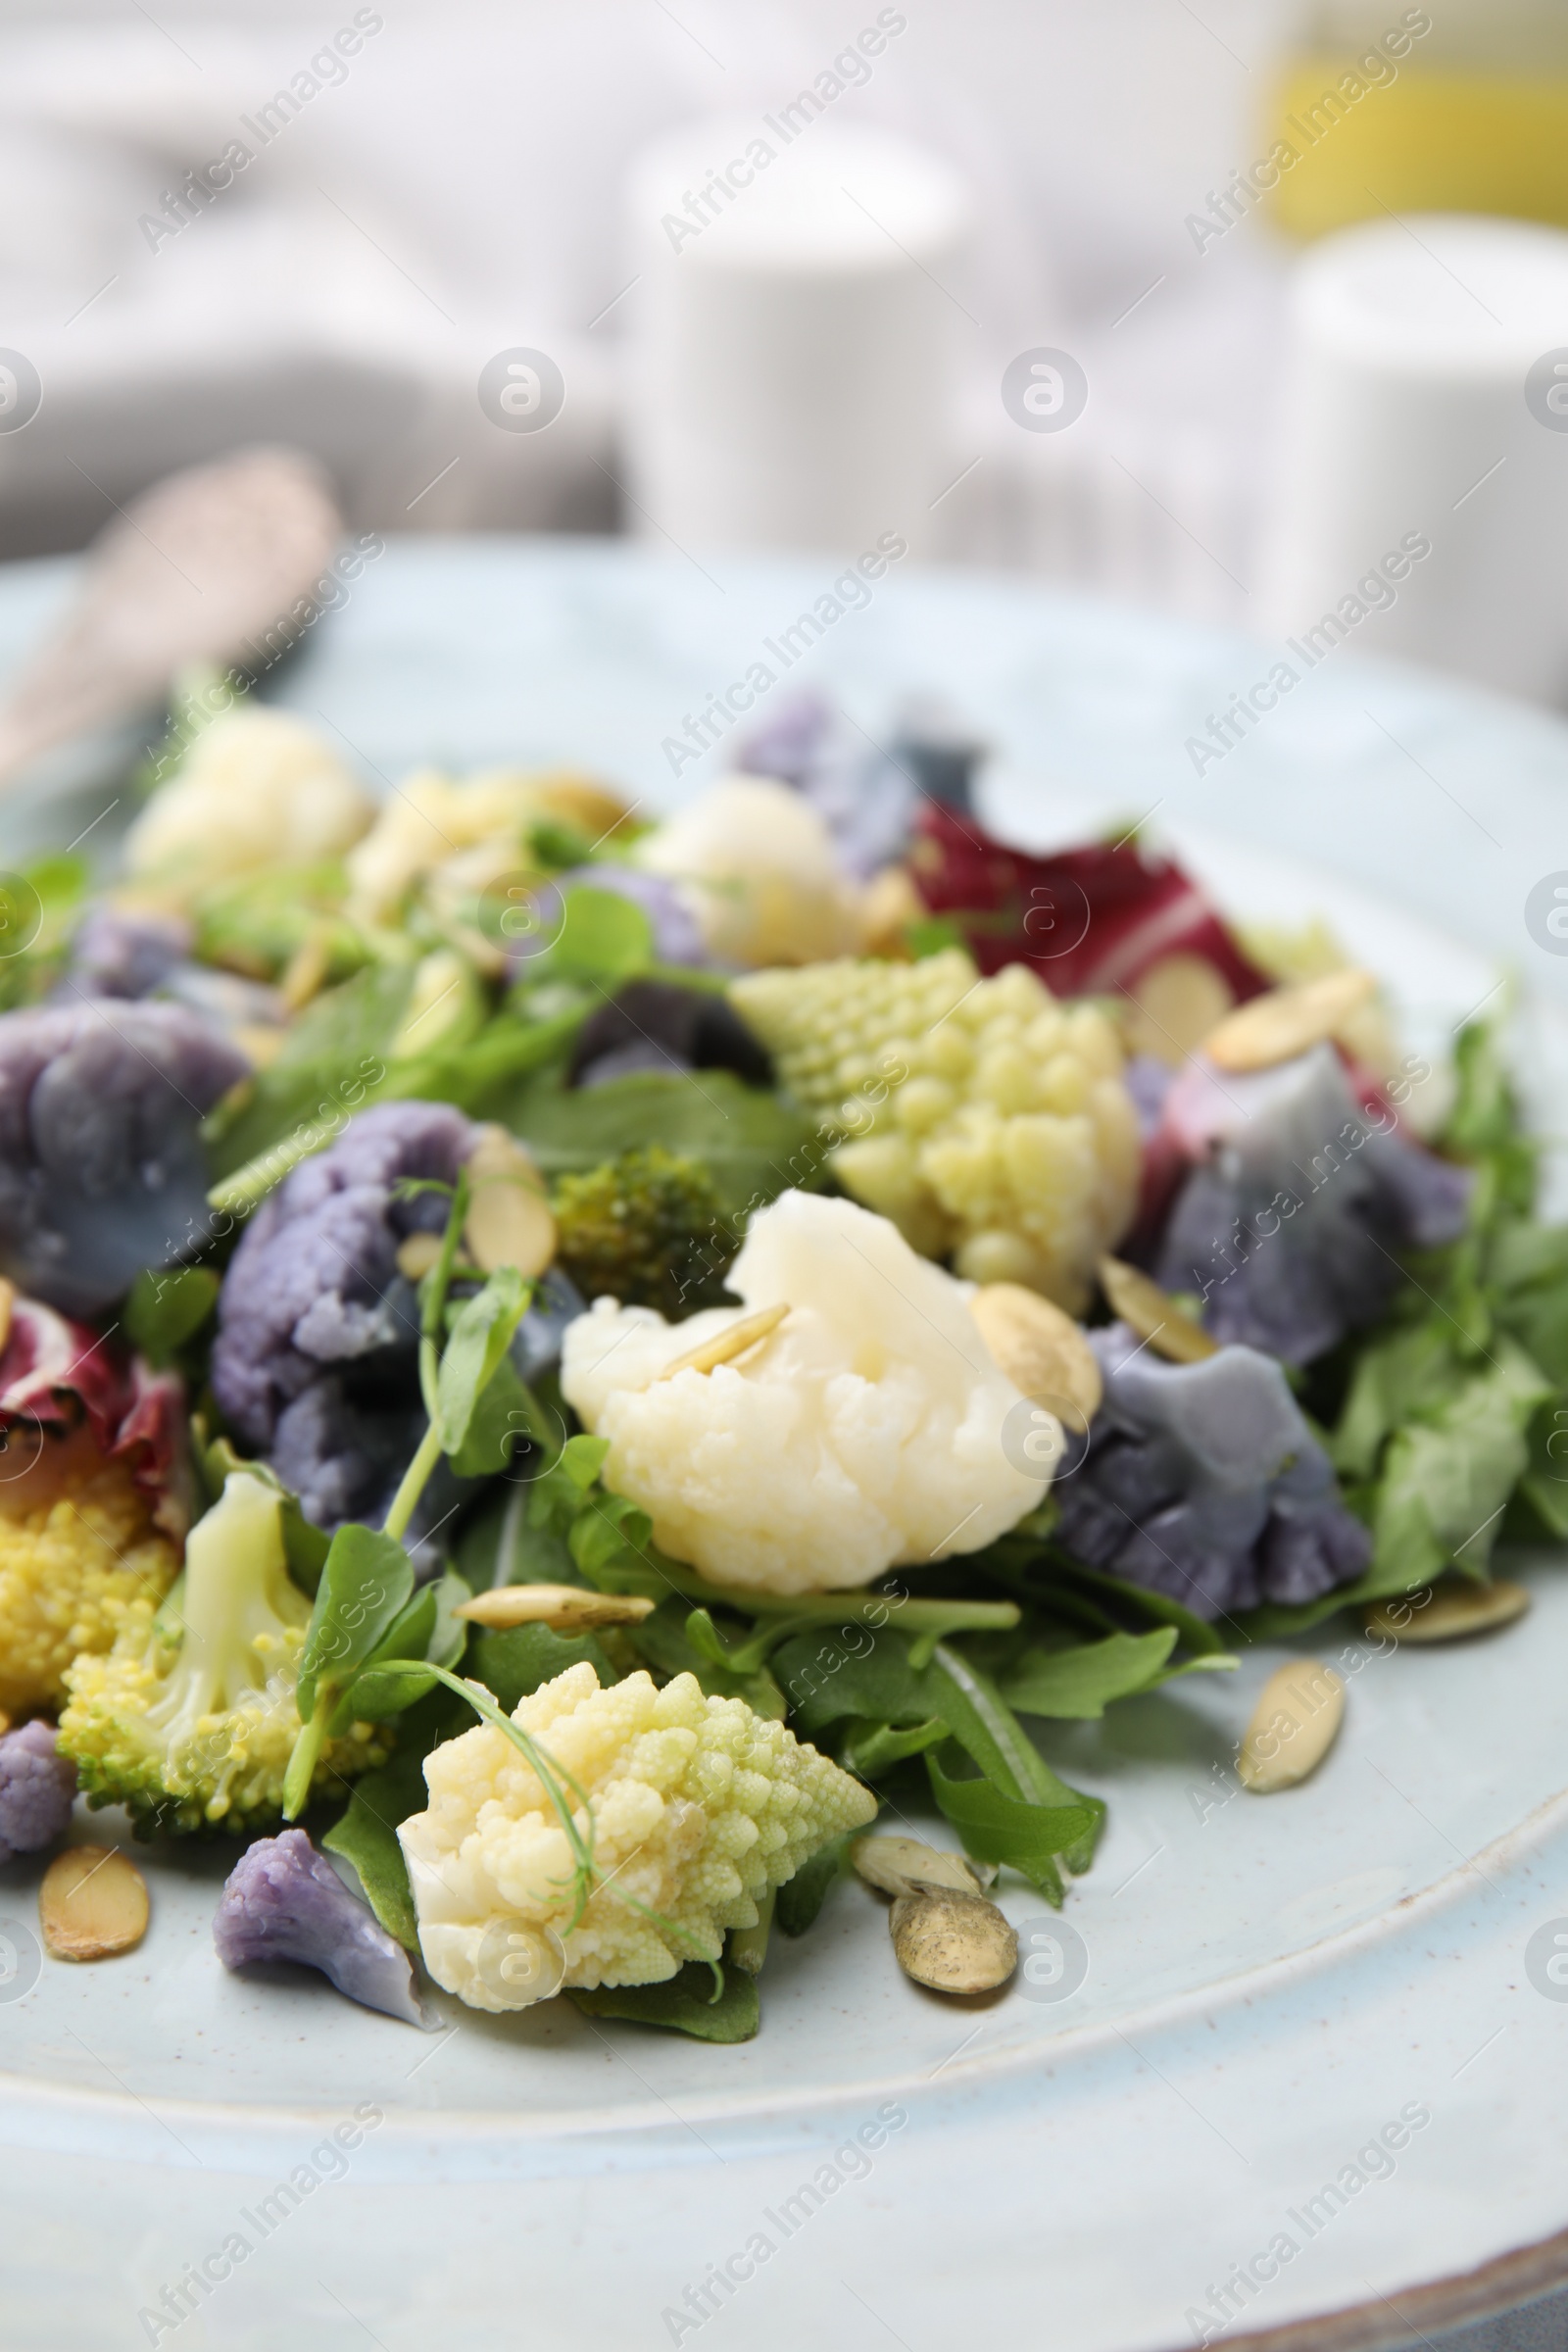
(849, 1670)
(998, 1827)
(504, 1416)
(162, 1310)
(514, 1661)
(333, 1059)
(684, 2005)
(754, 1146)
(797, 1903)
(365, 1833)
(1078, 1684)
(604, 939)
(480, 1337)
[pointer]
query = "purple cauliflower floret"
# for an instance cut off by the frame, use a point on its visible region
(1298, 1202)
(313, 1288)
(37, 1787)
(865, 794)
(119, 954)
(101, 1164)
(282, 1900)
(315, 1360)
(1204, 1482)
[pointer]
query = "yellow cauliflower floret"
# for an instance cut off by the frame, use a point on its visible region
(71, 1572)
(985, 1118)
(695, 1809)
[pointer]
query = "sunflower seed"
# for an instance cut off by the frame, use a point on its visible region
(1293, 1726)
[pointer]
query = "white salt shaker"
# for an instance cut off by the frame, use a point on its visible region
(797, 321)
(1420, 504)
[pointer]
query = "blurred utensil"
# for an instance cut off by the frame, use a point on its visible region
(204, 567)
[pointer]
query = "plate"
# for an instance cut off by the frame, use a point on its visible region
(1276, 2060)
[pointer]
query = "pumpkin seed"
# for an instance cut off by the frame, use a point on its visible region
(1153, 1314)
(950, 1942)
(900, 1865)
(1293, 1725)
(1447, 1612)
(1040, 1347)
(724, 1346)
(510, 1223)
(1172, 1007)
(1287, 1021)
(8, 1300)
(92, 1903)
(566, 1608)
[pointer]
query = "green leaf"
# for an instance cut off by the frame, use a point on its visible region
(851, 1670)
(366, 1582)
(882, 1747)
(1195, 1633)
(334, 1060)
(521, 1659)
(480, 1337)
(998, 1828)
(752, 1145)
(504, 1417)
(162, 1310)
(1078, 1685)
(683, 2005)
(604, 940)
(365, 1833)
(798, 1904)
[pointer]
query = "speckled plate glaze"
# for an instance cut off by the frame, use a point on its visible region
(1281, 2058)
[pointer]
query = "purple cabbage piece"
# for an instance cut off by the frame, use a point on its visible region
(37, 1787)
(1204, 1482)
(101, 1164)
(282, 1900)
(1291, 1222)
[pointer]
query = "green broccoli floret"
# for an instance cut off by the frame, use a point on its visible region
(189, 1720)
(647, 1229)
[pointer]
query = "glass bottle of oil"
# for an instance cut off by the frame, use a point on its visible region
(1459, 107)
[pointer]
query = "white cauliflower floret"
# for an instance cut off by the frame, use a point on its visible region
(755, 863)
(696, 1809)
(985, 1118)
(257, 789)
(864, 1431)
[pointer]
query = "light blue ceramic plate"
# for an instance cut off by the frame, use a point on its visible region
(1309, 2038)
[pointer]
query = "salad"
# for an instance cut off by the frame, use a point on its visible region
(554, 1367)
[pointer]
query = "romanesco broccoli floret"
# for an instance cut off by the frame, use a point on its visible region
(190, 1720)
(694, 1807)
(647, 1229)
(985, 1118)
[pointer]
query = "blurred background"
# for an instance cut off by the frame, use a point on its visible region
(1027, 281)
